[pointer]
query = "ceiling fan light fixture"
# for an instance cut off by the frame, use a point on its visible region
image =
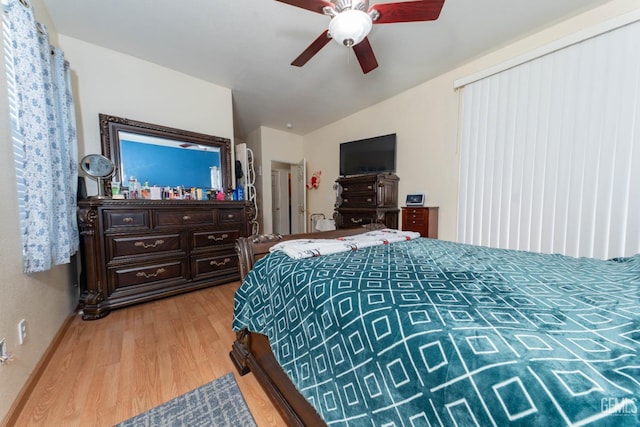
(350, 27)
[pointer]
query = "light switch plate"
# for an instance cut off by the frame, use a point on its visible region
(22, 331)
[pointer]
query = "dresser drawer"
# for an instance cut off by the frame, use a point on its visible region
(174, 270)
(138, 250)
(206, 266)
(184, 218)
(408, 218)
(358, 200)
(209, 238)
(120, 247)
(120, 220)
(413, 225)
(230, 216)
(368, 191)
(358, 187)
(415, 213)
(352, 220)
(424, 220)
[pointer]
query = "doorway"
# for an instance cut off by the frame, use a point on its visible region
(288, 197)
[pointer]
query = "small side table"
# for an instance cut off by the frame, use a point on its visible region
(421, 219)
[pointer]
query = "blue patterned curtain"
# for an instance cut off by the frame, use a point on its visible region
(45, 125)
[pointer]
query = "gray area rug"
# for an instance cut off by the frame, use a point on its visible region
(219, 403)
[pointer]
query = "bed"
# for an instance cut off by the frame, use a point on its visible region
(430, 332)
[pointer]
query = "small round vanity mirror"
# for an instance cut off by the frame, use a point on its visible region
(99, 167)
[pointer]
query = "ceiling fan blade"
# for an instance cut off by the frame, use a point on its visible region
(313, 48)
(365, 56)
(408, 11)
(312, 5)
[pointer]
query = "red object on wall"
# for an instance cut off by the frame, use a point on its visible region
(315, 180)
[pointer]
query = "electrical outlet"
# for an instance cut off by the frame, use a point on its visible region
(22, 331)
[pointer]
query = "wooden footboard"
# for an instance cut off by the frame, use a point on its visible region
(252, 352)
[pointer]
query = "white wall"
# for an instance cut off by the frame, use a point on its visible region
(276, 146)
(427, 155)
(43, 299)
(427, 128)
(108, 82)
(112, 83)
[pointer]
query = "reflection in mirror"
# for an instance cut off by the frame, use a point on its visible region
(192, 165)
(164, 156)
(97, 166)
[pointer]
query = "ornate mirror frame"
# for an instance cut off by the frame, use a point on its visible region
(111, 126)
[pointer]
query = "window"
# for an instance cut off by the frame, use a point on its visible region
(550, 151)
(44, 139)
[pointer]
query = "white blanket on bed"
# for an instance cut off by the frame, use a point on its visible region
(307, 248)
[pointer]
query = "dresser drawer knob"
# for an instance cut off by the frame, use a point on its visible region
(345, 200)
(356, 221)
(369, 187)
(217, 239)
(369, 200)
(220, 264)
(127, 220)
(230, 216)
(149, 275)
(186, 218)
(150, 245)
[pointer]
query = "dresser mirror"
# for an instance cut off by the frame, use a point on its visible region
(165, 157)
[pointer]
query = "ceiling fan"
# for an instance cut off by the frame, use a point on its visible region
(351, 21)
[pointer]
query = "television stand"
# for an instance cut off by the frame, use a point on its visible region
(366, 199)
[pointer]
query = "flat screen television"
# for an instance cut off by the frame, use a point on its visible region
(369, 155)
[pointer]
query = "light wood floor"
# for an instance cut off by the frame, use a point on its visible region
(108, 370)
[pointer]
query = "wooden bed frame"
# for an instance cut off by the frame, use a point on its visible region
(252, 352)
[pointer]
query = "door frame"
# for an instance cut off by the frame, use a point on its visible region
(293, 206)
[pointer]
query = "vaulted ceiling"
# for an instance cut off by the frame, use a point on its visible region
(247, 46)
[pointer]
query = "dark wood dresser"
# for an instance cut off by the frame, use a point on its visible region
(366, 199)
(423, 220)
(139, 250)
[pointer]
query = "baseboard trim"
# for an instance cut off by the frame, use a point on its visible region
(11, 418)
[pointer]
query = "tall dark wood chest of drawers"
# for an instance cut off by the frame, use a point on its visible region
(421, 219)
(366, 199)
(139, 250)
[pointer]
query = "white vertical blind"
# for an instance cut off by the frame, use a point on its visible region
(18, 143)
(550, 152)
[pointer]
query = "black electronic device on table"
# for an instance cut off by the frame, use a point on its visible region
(415, 199)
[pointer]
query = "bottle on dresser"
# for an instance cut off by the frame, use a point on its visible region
(133, 188)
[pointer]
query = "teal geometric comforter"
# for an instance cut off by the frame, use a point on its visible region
(429, 332)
